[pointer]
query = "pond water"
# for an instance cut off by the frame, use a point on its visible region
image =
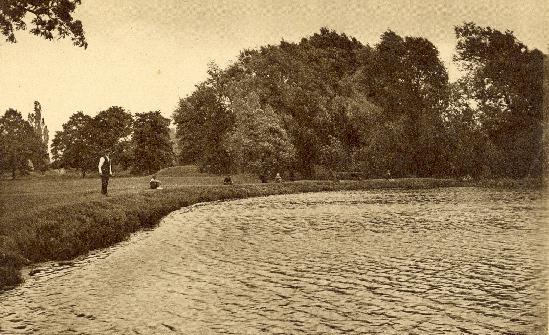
(441, 261)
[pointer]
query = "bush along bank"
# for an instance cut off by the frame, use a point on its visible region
(64, 231)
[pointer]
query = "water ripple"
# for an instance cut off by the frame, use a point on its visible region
(445, 261)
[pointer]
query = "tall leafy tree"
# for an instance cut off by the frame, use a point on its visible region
(409, 81)
(50, 18)
(467, 142)
(112, 130)
(258, 143)
(202, 119)
(300, 82)
(151, 141)
(18, 143)
(36, 120)
(74, 146)
(84, 139)
(506, 79)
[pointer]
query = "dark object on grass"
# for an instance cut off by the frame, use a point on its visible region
(154, 183)
(227, 181)
(263, 178)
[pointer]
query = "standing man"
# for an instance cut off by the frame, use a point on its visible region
(105, 171)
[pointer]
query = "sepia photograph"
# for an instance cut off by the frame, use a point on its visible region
(274, 167)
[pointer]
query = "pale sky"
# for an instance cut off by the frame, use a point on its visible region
(144, 55)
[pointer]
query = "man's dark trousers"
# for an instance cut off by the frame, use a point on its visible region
(104, 183)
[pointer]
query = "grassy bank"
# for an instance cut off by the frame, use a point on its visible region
(80, 221)
(42, 192)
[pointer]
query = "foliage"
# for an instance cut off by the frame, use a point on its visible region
(333, 155)
(51, 18)
(74, 146)
(111, 128)
(345, 105)
(297, 81)
(408, 80)
(151, 141)
(41, 160)
(505, 79)
(468, 143)
(84, 139)
(18, 143)
(258, 143)
(202, 119)
(331, 101)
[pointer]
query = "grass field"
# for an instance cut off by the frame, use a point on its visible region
(42, 192)
(61, 217)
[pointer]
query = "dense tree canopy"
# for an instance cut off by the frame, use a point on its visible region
(295, 81)
(151, 142)
(408, 80)
(74, 146)
(112, 128)
(319, 89)
(347, 106)
(329, 103)
(258, 143)
(50, 18)
(505, 79)
(19, 144)
(467, 140)
(84, 139)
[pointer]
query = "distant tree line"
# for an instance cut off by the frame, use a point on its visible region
(141, 143)
(332, 103)
(326, 104)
